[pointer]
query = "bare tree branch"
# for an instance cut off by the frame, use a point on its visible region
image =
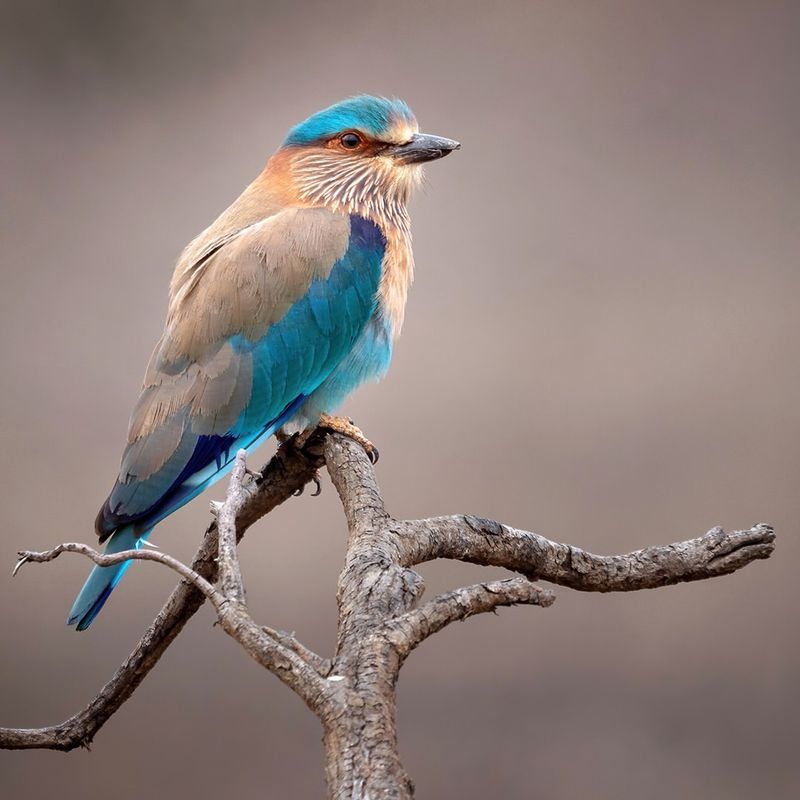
(412, 628)
(353, 475)
(230, 572)
(361, 753)
(287, 472)
(187, 573)
(378, 584)
(235, 620)
(490, 543)
(379, 623)
(285, 663)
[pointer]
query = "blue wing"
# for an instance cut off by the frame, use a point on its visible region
(258, 322)
(243, 388)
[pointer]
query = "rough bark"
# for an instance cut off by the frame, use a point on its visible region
(381, 619)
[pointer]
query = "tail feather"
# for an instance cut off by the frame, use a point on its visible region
(102, 580)
(194, 479)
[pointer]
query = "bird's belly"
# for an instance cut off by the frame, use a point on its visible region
(367, 361)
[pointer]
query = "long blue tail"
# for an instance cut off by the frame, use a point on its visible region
(102, 580)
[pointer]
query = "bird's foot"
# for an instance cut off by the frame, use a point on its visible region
(317, 486)
(255, 476)
(346, 427)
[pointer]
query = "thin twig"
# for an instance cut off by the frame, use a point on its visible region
(230, 572)
(103, 560)
(268, 651)
(412, 628)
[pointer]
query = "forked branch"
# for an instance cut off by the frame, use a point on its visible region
(380, 618)
(285, 475)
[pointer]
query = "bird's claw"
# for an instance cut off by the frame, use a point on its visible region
(347, 427)
(256, 476)
(317, 486)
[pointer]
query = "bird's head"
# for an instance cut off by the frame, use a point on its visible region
(363, 155)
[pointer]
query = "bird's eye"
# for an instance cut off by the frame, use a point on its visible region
(350, 140)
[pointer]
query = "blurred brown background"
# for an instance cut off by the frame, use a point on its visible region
(600, 345)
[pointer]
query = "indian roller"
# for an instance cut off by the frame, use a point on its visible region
(285, 304)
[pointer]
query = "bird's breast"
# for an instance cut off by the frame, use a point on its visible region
(397, 273)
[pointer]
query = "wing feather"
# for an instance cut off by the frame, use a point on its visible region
(253, 327)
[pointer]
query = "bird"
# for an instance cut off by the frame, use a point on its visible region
(288, 301)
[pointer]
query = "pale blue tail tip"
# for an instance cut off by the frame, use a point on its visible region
(101, 581)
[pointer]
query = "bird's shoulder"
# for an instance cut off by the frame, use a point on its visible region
(242, 276)
(256, 333)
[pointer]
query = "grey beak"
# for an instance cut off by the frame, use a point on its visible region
(423, 147)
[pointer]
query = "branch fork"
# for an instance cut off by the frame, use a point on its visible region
(381, 619)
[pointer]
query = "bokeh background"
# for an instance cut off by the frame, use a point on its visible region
(600, 345)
